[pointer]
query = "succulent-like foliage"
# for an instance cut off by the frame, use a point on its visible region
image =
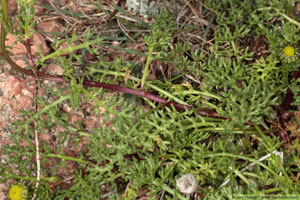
(141, 145)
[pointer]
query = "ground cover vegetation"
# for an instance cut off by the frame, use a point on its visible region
(205, 88)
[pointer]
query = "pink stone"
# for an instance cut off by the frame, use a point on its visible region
(19, 48)
(54, 69)
(12, 6)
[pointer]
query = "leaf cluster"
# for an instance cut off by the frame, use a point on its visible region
(149, 150)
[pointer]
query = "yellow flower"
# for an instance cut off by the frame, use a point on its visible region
(289, 54)
(17, 192)
(289, 50)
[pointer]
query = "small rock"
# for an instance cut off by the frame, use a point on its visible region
(12, 6)
(54, 69)
(146, 8)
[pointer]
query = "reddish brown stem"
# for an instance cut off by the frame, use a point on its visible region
(150, 96)
(29, 53)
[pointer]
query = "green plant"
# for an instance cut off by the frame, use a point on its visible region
(210, 116)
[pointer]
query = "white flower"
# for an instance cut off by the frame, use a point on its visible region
(187, 184)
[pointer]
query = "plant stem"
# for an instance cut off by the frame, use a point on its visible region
(242, 157)
(37, 114)
(70, 49)
(288, 18)
(29, 178)
(63, 157)
(149, 59)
